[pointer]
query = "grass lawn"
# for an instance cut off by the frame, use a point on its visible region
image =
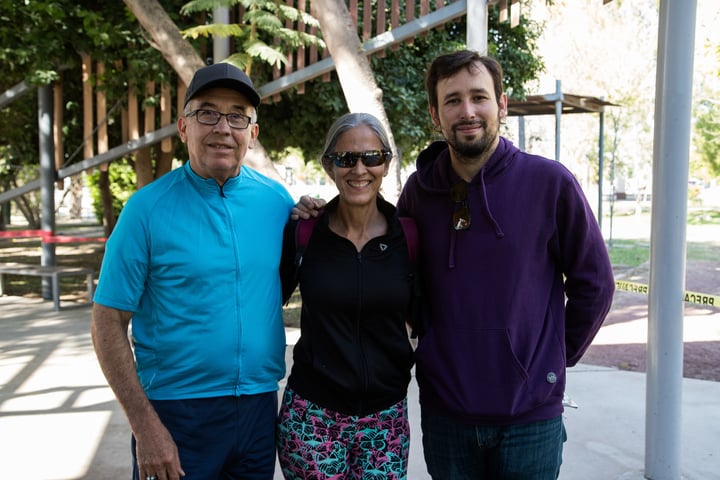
(632, 253)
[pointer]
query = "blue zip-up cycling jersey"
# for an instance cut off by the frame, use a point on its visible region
(197, 264)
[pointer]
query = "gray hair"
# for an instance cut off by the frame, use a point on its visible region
(348, 122)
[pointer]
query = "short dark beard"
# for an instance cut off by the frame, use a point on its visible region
(474, 149)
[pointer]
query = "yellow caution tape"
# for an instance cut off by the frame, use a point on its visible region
(704, 299)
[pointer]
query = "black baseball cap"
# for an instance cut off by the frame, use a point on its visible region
(222, 75)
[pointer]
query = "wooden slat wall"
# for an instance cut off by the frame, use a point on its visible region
(88, 118)
(368, 28)
(135, 121)
(301, 52)
(313, 53)
(514, 13)
(367, 24)
(388, 16)
(380, 21)
(101, 114)
(57, 124)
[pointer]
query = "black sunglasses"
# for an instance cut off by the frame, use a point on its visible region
(370, 158)
(461, 215)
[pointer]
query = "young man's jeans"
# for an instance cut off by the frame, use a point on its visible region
(457, 451)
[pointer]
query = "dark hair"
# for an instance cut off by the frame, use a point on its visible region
(348, 122)
(449, 64)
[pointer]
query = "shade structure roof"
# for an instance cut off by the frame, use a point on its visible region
(545, 104)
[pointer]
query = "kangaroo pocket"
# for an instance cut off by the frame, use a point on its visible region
(475, 373)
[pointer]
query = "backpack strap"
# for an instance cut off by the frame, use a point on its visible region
(411, 236)
(411, 239)
(303, 231)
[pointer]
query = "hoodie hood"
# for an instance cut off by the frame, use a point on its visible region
(435, 174)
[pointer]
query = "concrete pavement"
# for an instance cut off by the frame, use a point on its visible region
(60, 421)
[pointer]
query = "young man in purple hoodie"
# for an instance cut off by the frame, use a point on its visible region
(517, 284)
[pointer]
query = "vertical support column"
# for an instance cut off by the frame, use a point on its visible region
(673, 109)
(477, 26)
(601, 164)
(558, 116)
(90, 287)
(47, 180)
(221, 46)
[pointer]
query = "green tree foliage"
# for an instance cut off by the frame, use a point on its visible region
(122, 186)
(18, 147)
(33, 41)
(706, 128)
(261, 33)
(41, 38)
(707, 133)
(302, 120)
(41, 42)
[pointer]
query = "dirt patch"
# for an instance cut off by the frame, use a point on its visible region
(701, 357)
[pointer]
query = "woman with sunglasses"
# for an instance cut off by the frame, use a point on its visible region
(344, 410)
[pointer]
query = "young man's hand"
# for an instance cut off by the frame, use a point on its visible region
(307, 207)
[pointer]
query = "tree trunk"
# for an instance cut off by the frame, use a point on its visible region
(107, 202)
(183, 58)
(28, 211)
(143, 167)
(164, 163)
(76, 195)
(353, 69)
(178, 52)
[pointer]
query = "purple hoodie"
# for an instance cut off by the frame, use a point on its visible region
(499, 333)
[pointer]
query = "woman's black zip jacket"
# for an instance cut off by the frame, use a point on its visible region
(353, 355)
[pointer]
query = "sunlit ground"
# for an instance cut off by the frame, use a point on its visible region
(55, 406)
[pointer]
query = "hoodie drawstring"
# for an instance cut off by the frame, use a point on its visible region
(498, 231)
(486, 210)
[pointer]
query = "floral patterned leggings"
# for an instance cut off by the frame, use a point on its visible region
(315, 443)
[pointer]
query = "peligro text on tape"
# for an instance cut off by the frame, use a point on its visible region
(697, 298)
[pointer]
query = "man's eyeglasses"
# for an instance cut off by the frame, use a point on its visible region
(461, 215)
(211, 117)
(370, 158)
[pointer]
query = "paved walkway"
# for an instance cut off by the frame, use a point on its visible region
(59, 420)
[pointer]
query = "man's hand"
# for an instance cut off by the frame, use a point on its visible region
(156, 453)
(307, 207)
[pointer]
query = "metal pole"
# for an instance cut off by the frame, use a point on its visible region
(47, 180)
(558, 113)
(601, 154)
(613, 197)
(221, 45)
(673, 109)
(13, 93)
(477, 26)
